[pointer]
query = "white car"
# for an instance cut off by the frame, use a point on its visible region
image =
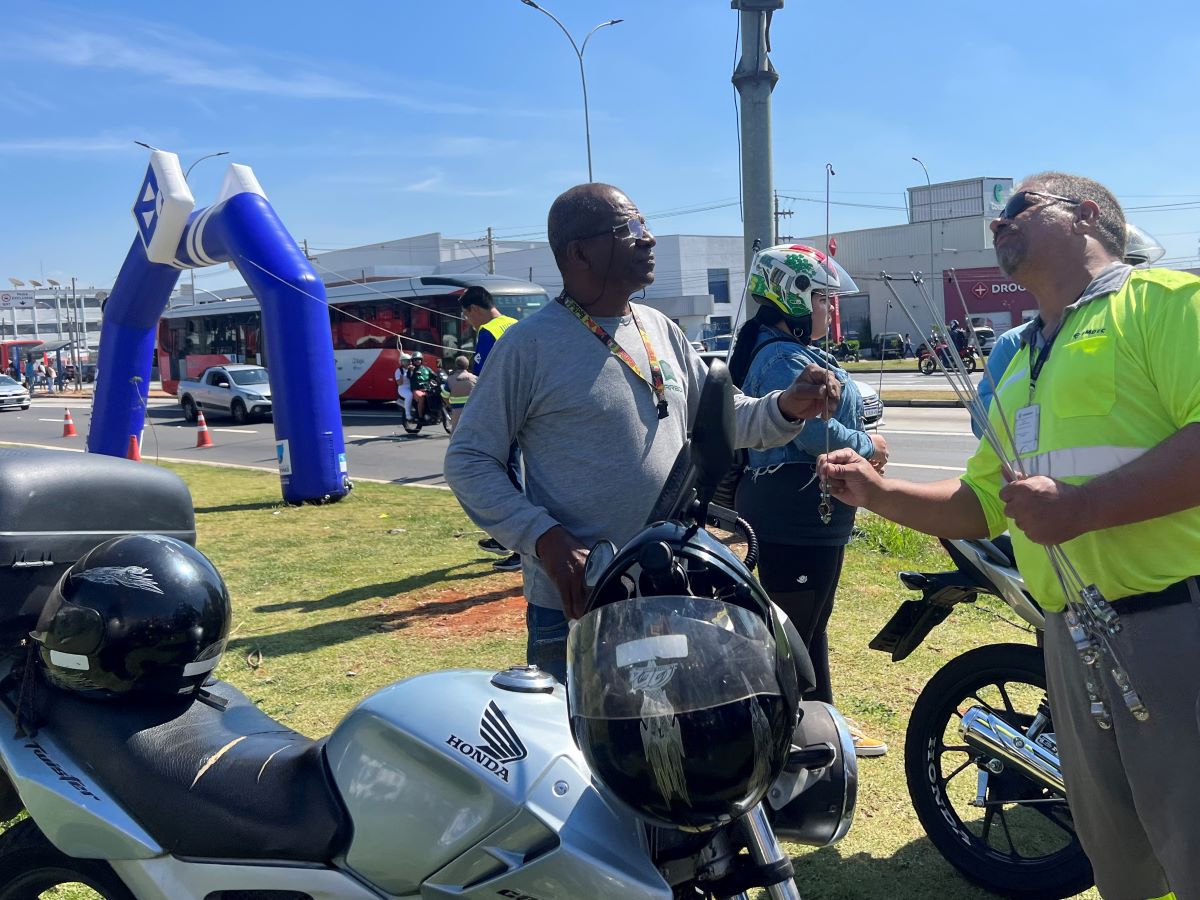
(13, 394)
(872, 404)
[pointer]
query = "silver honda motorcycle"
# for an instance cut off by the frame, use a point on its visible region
(979, 755)
(463, 784)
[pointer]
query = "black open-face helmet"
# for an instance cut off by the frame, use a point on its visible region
(142, 615)
(683, 685)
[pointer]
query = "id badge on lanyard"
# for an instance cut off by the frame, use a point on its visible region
(1027, 424)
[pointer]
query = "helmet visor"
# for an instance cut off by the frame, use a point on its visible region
(664, 655)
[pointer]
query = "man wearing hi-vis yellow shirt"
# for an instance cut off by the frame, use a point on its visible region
(1102, 403)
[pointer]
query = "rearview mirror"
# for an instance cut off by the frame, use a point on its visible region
(223, 384)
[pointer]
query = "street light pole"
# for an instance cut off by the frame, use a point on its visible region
(192, 270)
(579, 51)
(929, 196)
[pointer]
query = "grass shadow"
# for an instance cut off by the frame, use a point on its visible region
(913, 872)
(240, 507)
(326, 634)
(380, 590)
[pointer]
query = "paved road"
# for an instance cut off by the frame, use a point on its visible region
(911, 381)
(925, 444)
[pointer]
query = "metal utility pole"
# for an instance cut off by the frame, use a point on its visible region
(779, 214)
(74, 337)
(491, 252)
(754, 79)
(929, 200)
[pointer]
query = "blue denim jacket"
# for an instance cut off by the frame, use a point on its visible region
(774, 368)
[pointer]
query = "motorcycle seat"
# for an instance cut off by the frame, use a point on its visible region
(205, 782)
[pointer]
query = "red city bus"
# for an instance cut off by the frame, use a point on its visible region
(364, 319)
(12, 349)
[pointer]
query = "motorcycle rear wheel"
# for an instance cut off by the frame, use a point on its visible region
(1034, 853)
(927, 365)
(446, 418)
(411, 425)
(30, 865)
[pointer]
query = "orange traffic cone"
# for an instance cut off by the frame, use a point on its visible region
(69, 426)
(134, 453)
(203, 438)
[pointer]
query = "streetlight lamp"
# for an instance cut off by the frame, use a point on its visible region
(579, 51)
(202, 159)
(929, 196)
(192, 270)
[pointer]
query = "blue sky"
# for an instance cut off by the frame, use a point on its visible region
(371, 121)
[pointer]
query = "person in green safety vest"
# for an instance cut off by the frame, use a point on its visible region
(1098, 421)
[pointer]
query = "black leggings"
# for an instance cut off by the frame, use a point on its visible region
(802, 581)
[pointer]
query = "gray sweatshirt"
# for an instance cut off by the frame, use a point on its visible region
(596, 454)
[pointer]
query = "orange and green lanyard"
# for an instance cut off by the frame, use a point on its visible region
(655, 381)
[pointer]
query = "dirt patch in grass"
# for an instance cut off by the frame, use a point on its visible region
(500, 609)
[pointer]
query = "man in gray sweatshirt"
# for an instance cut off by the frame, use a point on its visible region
(598, 392)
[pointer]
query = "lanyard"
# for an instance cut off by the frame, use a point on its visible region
(655, 381)
(1035, 364)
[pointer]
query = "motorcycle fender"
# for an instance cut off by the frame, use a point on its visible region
(75, 813)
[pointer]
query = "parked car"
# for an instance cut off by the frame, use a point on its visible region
(986, 337)
(13, 394)
(239, 391)
(889, 345)
(872, 404)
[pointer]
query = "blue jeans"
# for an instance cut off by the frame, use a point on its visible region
(547, 642)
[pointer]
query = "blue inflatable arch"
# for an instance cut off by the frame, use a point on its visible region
(239, 228)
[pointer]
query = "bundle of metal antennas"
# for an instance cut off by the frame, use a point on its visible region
(1091, 620)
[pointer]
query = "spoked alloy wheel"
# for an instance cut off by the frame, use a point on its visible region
(31, 867)
(1022, 843)
(927, 365)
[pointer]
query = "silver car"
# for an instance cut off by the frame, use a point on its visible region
(12, 394)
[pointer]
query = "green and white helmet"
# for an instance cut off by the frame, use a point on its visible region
(787, 275)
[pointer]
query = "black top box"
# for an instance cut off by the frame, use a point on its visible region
(55, 506)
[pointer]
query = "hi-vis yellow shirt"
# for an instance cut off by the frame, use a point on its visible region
(1123, 375)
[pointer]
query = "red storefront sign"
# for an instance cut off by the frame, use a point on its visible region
(986, 291)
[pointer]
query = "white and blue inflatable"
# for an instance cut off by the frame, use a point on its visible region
(240, 228)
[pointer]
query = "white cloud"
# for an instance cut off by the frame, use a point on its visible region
(186, 59)
(85, 144)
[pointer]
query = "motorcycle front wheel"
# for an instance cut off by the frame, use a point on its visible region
(1022, 842)
(412, 425)
(30, 866)
(446, 418)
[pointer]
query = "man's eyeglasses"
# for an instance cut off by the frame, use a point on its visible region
(1020, 201)
(635, 227)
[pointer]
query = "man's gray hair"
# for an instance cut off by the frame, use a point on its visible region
(1111, 225)
(582, 211)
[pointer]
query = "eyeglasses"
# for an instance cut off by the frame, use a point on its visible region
(634, 226)
(1019, 202)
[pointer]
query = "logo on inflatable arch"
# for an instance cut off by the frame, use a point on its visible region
(162, 207)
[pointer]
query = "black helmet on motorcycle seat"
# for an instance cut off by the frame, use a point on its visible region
(140, 615)
(683, 689)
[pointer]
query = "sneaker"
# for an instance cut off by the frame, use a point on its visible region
(491, 545)
(865, 747)
(508, 564)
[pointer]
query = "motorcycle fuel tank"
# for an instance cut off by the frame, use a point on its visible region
(458, 786)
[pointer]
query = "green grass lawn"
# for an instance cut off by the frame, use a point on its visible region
(334, 602)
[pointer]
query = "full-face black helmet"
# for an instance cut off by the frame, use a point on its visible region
(683, 688)
(143, 615)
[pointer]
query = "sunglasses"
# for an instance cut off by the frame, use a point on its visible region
(1020, 201)
(635, 226)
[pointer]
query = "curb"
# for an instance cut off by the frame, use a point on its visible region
(950, 403)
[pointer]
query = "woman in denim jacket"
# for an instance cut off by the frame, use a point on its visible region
(800, 557)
